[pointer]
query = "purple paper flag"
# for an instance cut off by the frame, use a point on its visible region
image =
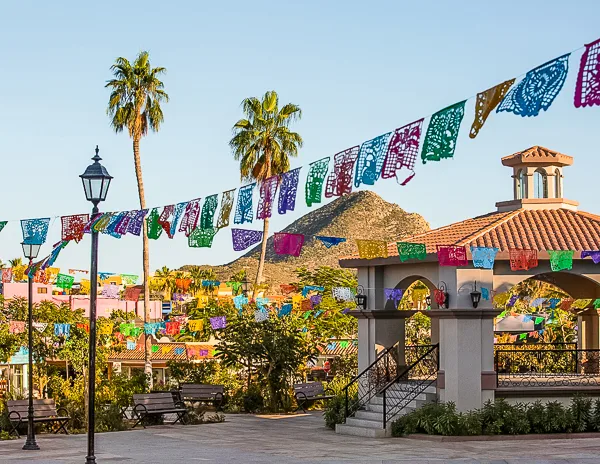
(218, 322)
(288, 190)
(268, 189)
(512, 301)
(243, 238)
(595, 255)
(288, 244)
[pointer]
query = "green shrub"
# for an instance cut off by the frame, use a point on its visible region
(501, 417)
(109, 419)
(335, 411)
(253, 400)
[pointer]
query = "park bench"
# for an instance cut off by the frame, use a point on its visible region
(43, 411)
(146, 405)
(308, 393)
(203, 393)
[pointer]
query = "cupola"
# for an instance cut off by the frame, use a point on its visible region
(537, 180)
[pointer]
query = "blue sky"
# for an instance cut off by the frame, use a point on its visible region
(357, 69)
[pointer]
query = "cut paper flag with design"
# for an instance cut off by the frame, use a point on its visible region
(240, 301)
(487, 102)
(202, 238)
(288, 191)
(136, 221)
(536, 303)
(209, 208)
(442, 132)
(179, 208)
(179, 350)
(485, 293)
(285, 310)
(561, 260)
(314, 181)
(165, 219)
(581, 303)
(131, 345)
(2, 225)
(235, 286)
(183, 284)
(227, 198)
(342, 293)
(154, 228)
(311, 288)
(218, 322)
(110, 291)
(511, 302)
(16, 327)
(288, 244)
(407, 250)
(129, 279)
(243, 238)
(316, 300)
(72, 226)
(64, 281)
(451, 255)
(132, 293)
(261, 315)
(371, 249)
(587, 88)
(268, 189)
(370, 160)
(595, 255)
(522, 260)
(7, 275)
(35, 230)
(553, 302)
(40, 326)
(189, 220)
(538, 89)
(330, 241)
(402, 153)
(62, 330)
(339, 180)
(394, 294)
(484, 257)
(243, 210)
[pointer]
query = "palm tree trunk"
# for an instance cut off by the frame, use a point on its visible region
(145, 259)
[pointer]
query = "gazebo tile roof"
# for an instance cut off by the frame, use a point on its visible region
(138, 353)
(544, 229)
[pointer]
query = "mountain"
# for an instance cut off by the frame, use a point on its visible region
(361, 214)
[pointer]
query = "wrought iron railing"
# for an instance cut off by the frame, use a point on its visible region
(386, 368)
(412, 382)
(547, 368)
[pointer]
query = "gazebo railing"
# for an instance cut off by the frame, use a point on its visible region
(547, 367)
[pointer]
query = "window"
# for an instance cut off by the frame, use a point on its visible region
(521, 184)
(557, 184)
(42, 290)
(540, 184)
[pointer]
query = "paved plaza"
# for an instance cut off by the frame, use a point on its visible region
(289, 440)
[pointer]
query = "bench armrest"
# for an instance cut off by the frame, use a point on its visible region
(179, 404)
(297, 395)
(66, 413)
(140, 408)
(17, 417)
(329, 391)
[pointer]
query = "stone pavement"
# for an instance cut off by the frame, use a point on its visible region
(290, 440)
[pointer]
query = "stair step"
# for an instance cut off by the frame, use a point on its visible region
(369, 415)
(391, 399)
(408, 386)
(370, 424)
(346, 429)
(379, 407)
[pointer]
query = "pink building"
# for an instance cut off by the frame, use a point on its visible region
(104, 306)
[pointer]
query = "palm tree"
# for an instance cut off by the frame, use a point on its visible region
(134, 103)
(263, 143)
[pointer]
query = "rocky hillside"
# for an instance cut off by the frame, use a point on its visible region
(361, 214)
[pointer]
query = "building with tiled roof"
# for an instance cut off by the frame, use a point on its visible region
(539, 218)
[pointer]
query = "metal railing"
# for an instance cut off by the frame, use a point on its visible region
(412, 382)
(547, 368)
(387, 370)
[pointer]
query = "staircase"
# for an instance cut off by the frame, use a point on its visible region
(368, 422)
(372, 412)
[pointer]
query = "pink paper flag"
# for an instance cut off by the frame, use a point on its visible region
(288, 244)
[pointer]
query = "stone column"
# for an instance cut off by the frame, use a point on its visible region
(588, 333)
(466, 376)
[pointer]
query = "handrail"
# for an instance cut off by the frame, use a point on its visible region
(411, 394)
(377, 359)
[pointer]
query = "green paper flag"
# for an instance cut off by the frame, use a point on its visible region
(561, 260)
(408, 250)
(64, 281)
(523, 337)
(597, 303)
(2, 224)
(314, 181)
(442, 132)
(154, 228)
(344, 344)
(306, 314)
(539, 320)
(155, 348)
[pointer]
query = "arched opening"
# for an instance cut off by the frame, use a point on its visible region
(540, 184)
(521, 184)
(416, 289)
(557, 184)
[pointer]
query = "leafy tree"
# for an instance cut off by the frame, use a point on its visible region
(263, 143)
(272, 350)
(134, 103)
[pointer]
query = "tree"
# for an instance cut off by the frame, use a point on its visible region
(263, 143)
(134, 103)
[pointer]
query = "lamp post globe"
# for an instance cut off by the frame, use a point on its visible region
(30, 251)
(96, 181)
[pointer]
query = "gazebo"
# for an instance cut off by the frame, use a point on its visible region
(537, 218)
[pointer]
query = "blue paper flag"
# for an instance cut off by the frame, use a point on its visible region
(330, 241)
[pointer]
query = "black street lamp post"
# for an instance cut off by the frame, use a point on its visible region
(96, 181)
(30, 250)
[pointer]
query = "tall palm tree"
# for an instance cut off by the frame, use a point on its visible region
(263, 144)
(134, 103)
